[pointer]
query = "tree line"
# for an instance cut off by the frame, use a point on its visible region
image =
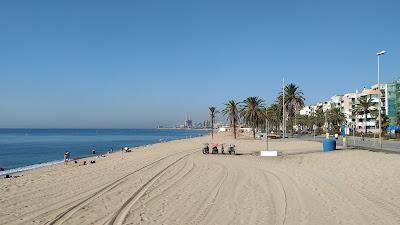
(253, 112)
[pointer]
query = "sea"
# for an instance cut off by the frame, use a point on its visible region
(25, 149)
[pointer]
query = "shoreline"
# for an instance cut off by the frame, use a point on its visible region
(18, 170)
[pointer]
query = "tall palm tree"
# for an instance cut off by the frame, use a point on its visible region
(232, 112)
(253, 112)
(363, 108)
(213, 115)
(294, 100)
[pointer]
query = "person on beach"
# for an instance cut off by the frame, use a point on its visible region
(66, 158)
(93, 151)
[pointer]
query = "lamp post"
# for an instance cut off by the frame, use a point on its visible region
(267, 130)
(283, 110)
(379, 98)
(354, 140)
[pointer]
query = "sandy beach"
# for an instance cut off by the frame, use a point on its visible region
(174, 183)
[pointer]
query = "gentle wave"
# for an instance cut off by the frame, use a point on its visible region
(30, 167)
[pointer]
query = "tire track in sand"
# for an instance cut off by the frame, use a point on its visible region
(62, 217)
(120, 215)
(209, 202)
(283, 191)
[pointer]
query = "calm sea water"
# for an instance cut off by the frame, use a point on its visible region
(22, 149)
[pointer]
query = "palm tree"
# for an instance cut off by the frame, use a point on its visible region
(335, 117)
(303, 121)
(384, 119)
(294, 100)
(398, 119)
(318, 118)
(384, 122)
(321, 119)
(232, 112)
(363, 108)
(213, 114)
(253, 112)
(274, 115)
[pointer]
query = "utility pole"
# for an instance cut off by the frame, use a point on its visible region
(267, 130)
(326, 121)
(354, 140)
(283, 109)
(379, 100)
(315, 123)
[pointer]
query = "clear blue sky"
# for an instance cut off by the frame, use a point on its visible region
(126, 64)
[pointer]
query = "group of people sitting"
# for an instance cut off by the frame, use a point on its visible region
(84, 162)
(127, 149)
(67, 155)
(215, 150)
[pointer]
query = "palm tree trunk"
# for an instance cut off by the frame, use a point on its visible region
(356, 126)
(234, 128)
(212, 128)
(293, 123)
(365, 123)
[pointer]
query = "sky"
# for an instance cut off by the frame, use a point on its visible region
(137, 64)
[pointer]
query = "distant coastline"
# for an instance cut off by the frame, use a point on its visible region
(177, 128)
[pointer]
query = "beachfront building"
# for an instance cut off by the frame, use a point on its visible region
(326, 106)
(349, 105)
(371, 121)
(337, 102)
(349, 102)
(311, 109)
(224, 128)
(306, 111)
(390, 105)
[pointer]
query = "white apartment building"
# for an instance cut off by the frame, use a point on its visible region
(370, 122)
(347, 104)
(306, 110)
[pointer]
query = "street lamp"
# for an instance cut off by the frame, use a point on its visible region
(379, 100)
(283, 110)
